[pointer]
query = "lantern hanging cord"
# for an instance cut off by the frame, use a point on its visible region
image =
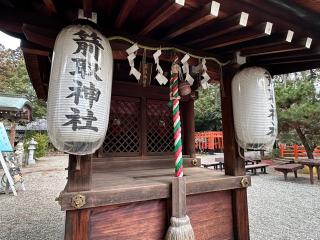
(221, 64)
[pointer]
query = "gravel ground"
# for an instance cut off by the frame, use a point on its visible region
(282, 210)
(34, 214)
(278, 210)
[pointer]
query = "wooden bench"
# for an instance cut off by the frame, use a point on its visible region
(253, 168)
(286, 168)
(215, 165)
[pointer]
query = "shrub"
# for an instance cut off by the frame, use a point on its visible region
(42, 146)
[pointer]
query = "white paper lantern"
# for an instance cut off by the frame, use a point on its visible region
(79, 90)
(254, 109)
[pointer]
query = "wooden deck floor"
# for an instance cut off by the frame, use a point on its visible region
(140, 185)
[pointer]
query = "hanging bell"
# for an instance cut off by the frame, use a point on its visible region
(184, 88)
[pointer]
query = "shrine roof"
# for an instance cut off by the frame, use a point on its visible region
(282, 36)
(13, 103)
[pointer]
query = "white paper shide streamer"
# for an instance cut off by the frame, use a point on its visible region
(162, 80)
(254, 109)
(186, 70)
(79, 90)
(205, 76)
(132, 53)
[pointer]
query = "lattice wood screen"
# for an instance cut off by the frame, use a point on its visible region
(123, 134)
(159, 127)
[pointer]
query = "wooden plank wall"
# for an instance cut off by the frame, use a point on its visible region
(210, 214)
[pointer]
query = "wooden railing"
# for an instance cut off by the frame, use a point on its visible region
(296, 151)
(205, 141)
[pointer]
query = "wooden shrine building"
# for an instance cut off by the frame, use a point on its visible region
(122, 191)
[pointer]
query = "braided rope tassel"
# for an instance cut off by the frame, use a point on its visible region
(176, 119)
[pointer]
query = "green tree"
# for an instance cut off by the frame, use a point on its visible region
(14, 79)
(298, 108)
(208, 110)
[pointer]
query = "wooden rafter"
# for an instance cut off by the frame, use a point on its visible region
(265, 7)
(40, 36)
(239, 37)
(206, 14)
(228, 25)
(281, 43)
(163, 13)
(276, 48)
(49, 4)
(127, 7)
(278, 57)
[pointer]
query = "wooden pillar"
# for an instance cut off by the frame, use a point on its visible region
(79, 179)
(234, 165)
(188, 127)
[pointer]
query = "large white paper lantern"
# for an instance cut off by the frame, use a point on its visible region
(79, 90)
(254, 109)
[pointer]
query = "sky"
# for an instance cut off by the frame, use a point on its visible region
(8, 41)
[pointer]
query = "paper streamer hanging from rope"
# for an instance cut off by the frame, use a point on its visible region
(162, 80)
(204, 75)
(186, 70)
(132, 53)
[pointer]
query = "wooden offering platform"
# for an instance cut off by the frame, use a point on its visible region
(119, 198)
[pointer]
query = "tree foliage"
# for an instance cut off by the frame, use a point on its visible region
(298, 108)
(208, 110)
(14, 79)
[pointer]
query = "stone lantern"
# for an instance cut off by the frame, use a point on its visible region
(32, 148)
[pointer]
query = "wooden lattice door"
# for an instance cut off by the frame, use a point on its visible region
(123, 137)
(159, 127)
(138, 126)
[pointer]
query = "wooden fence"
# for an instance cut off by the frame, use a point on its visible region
(295, 151)
(209, 141)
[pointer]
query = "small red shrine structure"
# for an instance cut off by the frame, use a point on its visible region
(123, 191)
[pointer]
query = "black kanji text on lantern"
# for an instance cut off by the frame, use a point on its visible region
(88, 45)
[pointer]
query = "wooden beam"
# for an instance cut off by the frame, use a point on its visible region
(296, 61)
(228, 25)
(12, 20)
(292, 67)
(79, 179)
(188, 127)
(271, 48)
(240, 214)
(163, 13)
(127, 7)
(77, 225)
(30, 48)
(206, 14)
(234, 165)
(301, 54)
(238, 37)
(33, 68)
(49, 4)
(87, 8)
(40, 35)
